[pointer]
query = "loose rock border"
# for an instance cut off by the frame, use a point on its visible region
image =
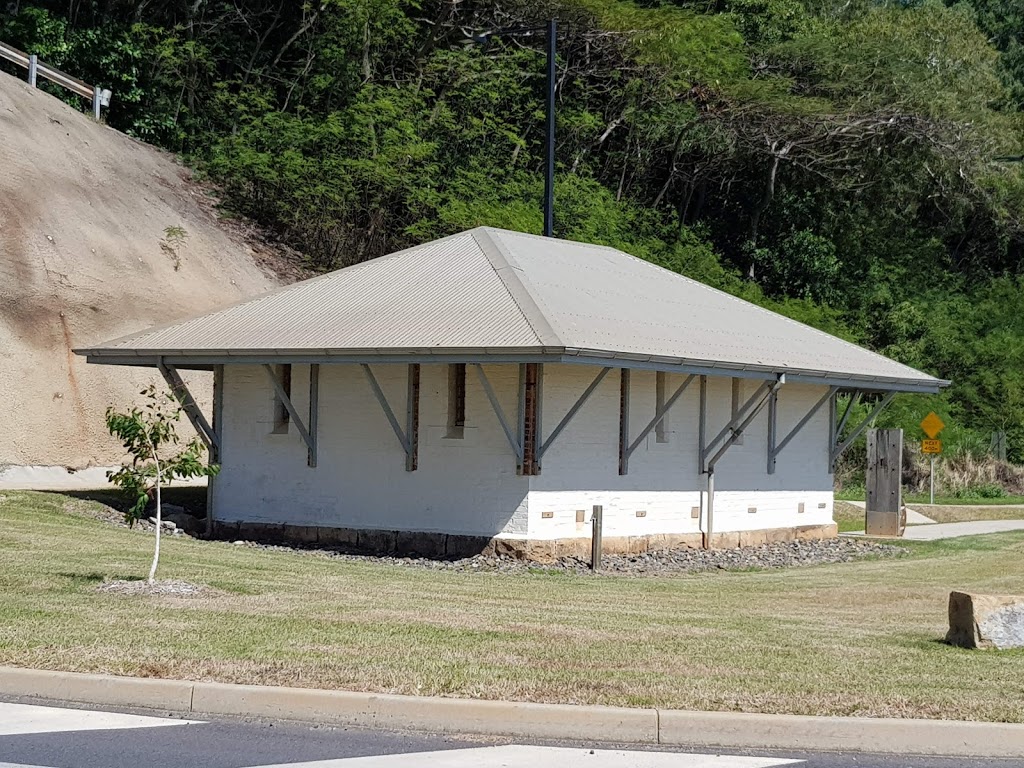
(658, 563)
(774, 556)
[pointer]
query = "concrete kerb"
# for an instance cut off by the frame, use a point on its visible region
(148, 693)
(950, 738)
(434, 714)
(526, 720)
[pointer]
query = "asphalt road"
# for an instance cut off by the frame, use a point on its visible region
(68, 737)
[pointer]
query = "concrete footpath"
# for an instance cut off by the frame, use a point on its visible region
(524, 720)
(939, 531)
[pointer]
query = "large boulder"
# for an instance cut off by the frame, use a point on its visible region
(182, 519)
(985, 621)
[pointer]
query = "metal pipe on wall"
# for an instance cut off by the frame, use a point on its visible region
(710, 507)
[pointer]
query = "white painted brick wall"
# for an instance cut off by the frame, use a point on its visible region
(470, 486)
(466, 486)
(581, 467)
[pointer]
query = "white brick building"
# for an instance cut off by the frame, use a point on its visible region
(491, 388)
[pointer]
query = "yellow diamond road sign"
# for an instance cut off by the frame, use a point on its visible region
(932, 425)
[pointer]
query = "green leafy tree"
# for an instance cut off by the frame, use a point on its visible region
(149, 435)
(853, 164)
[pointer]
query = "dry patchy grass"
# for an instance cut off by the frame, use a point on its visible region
(852, 639)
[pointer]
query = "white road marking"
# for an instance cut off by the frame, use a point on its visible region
(17, 719)
(516, 756)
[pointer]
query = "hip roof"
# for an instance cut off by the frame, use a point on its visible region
(490, 294)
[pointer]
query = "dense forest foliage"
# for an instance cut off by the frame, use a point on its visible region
(855, 164)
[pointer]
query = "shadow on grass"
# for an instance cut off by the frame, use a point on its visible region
(84, 578)
(94, 577)
(191, 497)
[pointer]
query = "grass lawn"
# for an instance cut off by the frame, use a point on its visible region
(848, 517)
(854, 639)
(966, 501)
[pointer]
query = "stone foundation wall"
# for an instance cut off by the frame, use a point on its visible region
(443, 545)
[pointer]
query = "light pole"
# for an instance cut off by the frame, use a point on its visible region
(549, 164)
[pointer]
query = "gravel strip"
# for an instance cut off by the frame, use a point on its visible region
(660, 563)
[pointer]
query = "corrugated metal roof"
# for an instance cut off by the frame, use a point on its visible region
(442, 294)
(489, 291)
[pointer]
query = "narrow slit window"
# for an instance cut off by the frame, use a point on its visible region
(661, 428)
(737, 397)
(281, 416)
(456, 400)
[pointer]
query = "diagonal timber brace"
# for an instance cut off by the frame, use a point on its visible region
(408, 438)
(514, 438)
(188, 404)
(307, 438)
(837, 449)
(626, 448)
(572, 411)
(854, 399)
(775, 448)
(732, 431)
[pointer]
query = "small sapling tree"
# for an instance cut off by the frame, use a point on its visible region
(150, 436)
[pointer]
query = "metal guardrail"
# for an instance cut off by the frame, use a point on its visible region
(100, 96)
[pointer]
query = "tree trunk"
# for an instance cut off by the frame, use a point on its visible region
(761, 207)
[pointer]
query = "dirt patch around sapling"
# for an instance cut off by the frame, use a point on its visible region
(174, 587)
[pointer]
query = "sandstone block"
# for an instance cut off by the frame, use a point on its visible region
(222, 530)
(986, 621)
(637, 545)
(610, 545)
(419, 543)
(754, 538)
(338, 537)
(510, 548)
(576, 547)
(541, 551)
(264, 532)
(814, 532)
(379, 542)
(727, 540)
(468, 546)
(301, 534)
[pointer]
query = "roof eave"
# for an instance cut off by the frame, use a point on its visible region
(207, 357)
(924, 384)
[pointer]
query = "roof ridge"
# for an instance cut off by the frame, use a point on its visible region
(507, 270)
(565, 240)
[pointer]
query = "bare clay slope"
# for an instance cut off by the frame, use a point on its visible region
(83, 210)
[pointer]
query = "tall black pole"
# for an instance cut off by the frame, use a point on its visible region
(549, 174)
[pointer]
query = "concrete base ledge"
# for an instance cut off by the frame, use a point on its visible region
(526, 720)
(449, 545)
